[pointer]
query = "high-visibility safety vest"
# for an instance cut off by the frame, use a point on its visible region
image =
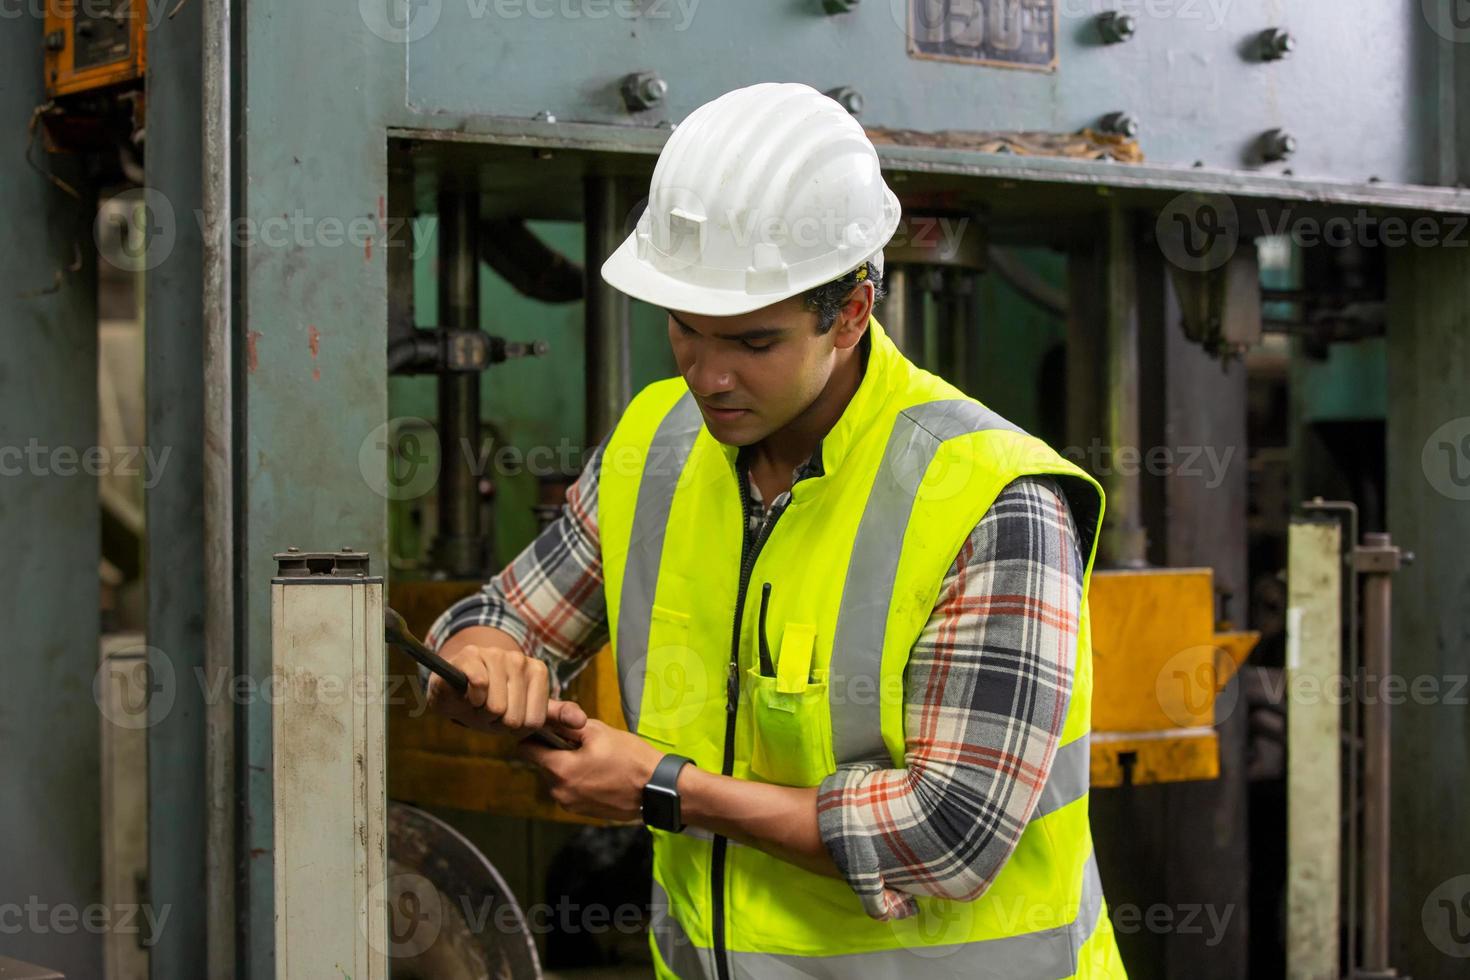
(855, 564)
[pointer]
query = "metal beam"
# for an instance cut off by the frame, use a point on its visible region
(48, 523)
(1428, 469)
(1313, 749)
(179, 556)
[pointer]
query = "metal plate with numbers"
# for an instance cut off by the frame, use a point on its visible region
(1006, 33)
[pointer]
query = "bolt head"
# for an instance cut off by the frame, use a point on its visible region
(643, 90)
(1116, 27)
(1277, 145)
(1276, 44)
(1121, 124)
(849, 98)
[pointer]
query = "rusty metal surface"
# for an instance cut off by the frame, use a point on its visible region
(451, 914)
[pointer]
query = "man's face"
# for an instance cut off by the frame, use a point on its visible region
(754, 373)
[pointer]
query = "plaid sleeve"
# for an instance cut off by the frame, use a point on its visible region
(550, 598)
(986, 691)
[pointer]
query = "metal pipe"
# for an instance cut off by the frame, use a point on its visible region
(896, 310)
(219, 497)
(459, 548)
(957, 325)
(1123, 542)
(1377, 662)
(607, 311)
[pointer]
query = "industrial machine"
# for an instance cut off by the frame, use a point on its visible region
(1119, 183)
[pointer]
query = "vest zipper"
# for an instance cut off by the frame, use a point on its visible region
(748, 555)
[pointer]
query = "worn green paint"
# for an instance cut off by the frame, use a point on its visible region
(50, 843)
(1429, 514)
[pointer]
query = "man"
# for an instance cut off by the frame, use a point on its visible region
(847, 602)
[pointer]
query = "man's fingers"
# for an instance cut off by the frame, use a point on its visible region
(537, 687)
(568, 714)
(534, 752)
(515, 698)
(477, 672)
(496, 702)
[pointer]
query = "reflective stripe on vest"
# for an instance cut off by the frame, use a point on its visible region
(857, 647)
(667, 454)
(1050, 954)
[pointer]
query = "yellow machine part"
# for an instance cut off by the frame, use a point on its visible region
(1158, 663)
(94, 45)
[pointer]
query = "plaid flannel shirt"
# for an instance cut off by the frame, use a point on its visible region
(985, 690)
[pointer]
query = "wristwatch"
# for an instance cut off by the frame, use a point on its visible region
(661, 794)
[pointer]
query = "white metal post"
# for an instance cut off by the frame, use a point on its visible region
(328, 767)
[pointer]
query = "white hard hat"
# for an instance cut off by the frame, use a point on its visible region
(759, 195)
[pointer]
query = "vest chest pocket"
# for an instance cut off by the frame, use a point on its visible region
(791, 724)
(678, 689)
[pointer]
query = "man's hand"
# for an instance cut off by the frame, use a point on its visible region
(508, 693)
(604, 777)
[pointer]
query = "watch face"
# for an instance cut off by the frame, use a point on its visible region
(661, 809)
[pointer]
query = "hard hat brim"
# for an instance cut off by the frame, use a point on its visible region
(625, 273)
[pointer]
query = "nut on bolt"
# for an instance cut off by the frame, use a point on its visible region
(643, 90)
(1276, 44)
(1120, 124)
(1277, 145)
(848, 97)
(1115, 26)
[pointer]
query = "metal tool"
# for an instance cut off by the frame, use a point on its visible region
(396, 632)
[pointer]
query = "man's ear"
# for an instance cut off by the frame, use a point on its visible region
(853, 319)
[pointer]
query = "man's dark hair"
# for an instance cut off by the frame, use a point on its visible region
(826, 300)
